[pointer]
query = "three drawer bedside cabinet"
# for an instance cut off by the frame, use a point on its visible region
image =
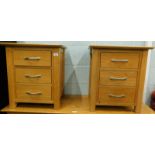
(35, 74)
(117, 76)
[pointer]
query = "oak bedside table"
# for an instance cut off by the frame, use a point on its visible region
(117, 76)
(35, 74)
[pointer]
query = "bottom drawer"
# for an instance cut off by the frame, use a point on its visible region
(33, 93)
(116, 96)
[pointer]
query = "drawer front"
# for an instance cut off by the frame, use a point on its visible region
(33, 92)
(127, 78)
(24, 75)
(32, 58)
(120, 60)
(117, 96)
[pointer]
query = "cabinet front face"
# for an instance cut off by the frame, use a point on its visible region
(34, 75)
(117, 76)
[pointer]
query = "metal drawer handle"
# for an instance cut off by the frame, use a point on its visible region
(30, 93)
(117, 78)
(33, 76)
(119, 60)
(32, 58)
(117, 96)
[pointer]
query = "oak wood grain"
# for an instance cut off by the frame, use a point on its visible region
(35, 75)
(118, 77)
(119, 60)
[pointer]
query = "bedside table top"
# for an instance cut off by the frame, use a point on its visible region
(31, 45)
(120, 47)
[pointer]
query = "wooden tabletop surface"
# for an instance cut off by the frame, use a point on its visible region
(121, 47)
(30, 45)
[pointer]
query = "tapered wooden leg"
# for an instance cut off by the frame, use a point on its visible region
(138, 109)
(57, 105)
(92, 108)
(12, 105)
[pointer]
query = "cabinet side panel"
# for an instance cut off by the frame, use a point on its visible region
(141, 81)
(62, 61)
(94, 78)
(11, 79)
(56, 57)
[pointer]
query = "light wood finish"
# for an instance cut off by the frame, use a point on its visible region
(117, 96)
(141, 81)
(58, 64)
(31, 57)
(119, 60)
(131, 48)
(95, 78)
(62, 73)
(75, 105)
(126, 78)
(26, 45)
(122, 72)
(31, 93)
(35, 74)
(11, 78)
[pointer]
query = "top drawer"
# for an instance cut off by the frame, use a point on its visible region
(120, 60)
(32, 58)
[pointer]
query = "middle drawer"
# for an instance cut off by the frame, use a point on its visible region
(26, 75)
(117, 77)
